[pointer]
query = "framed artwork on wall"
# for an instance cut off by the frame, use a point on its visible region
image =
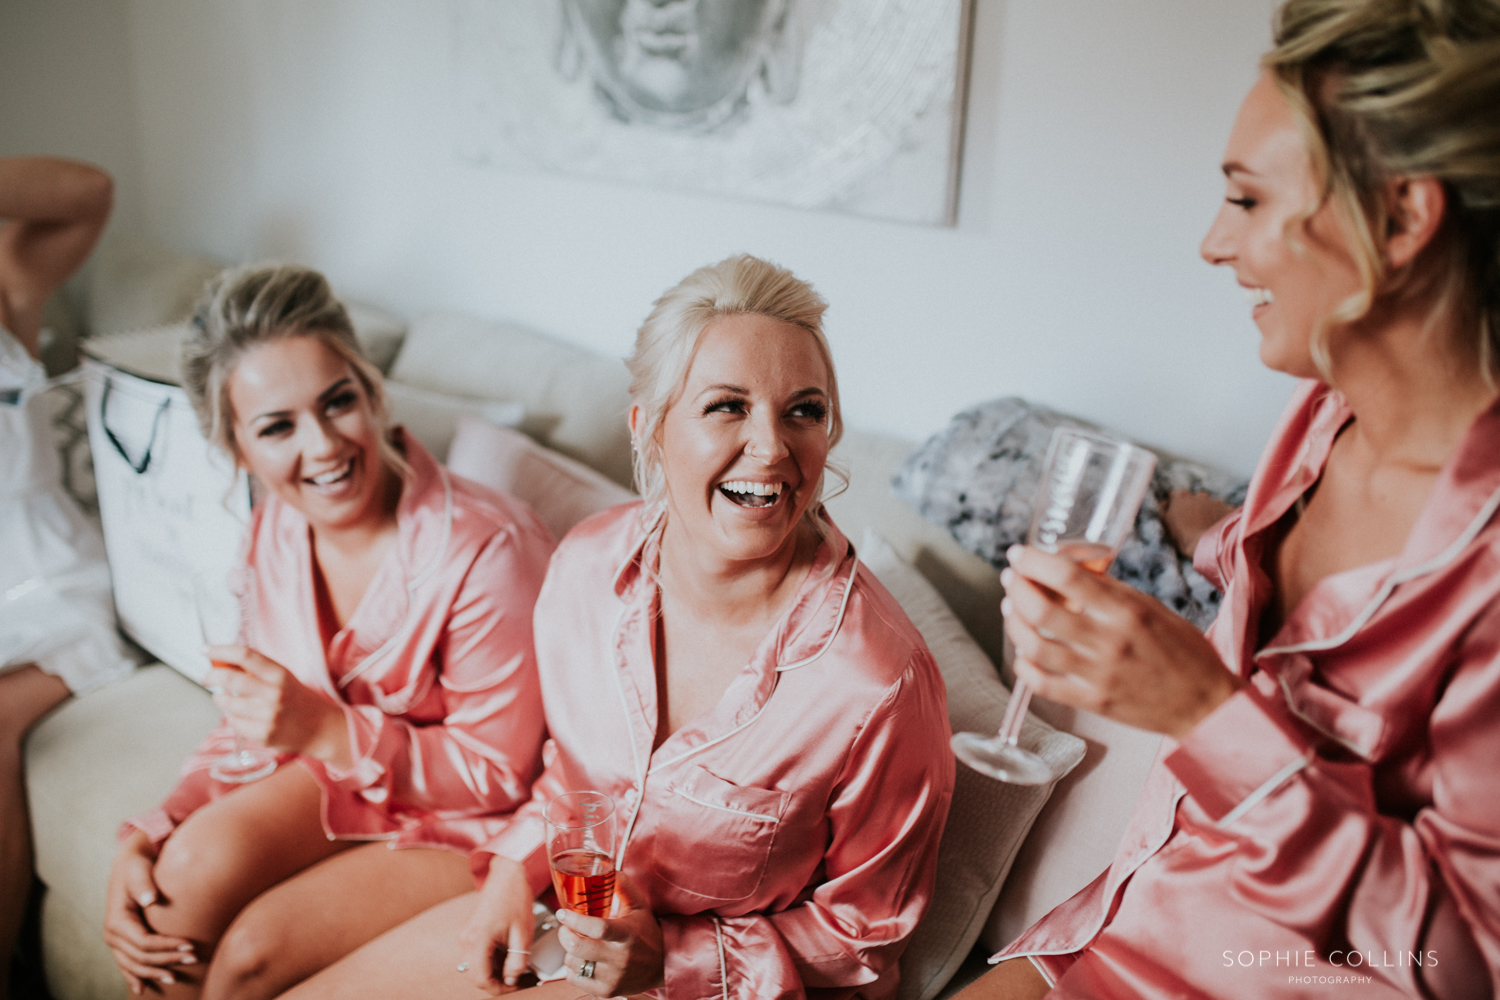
(843, 105)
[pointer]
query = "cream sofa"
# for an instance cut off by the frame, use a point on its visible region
(116, 752)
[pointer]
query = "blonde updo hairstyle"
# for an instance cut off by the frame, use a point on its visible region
(668, 340)
(246, 307)
(1385, 89)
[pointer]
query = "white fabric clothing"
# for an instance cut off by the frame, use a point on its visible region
(56, 607)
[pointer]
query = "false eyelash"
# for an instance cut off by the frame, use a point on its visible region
(718, 403)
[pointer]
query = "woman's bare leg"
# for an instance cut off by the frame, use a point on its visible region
(315, 918)
(229, 852)
(26, 694)
(418, 959)
(1013, 979)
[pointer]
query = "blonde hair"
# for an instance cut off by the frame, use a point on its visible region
(668, 340)
(245, 307)
(1386, 89)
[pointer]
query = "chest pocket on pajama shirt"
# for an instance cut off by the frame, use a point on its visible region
(718, 837)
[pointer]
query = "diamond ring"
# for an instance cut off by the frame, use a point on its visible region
(463, 966)
(586, 970)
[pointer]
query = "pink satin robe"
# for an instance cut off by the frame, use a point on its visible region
(788, 838)
(435, 670)
(1335, 826)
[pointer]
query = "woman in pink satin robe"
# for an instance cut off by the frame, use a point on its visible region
(770, 726)
(387, 655)
(1323, 818)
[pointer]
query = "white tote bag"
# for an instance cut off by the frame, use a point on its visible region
(174, 510)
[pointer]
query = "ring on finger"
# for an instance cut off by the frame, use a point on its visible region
(586, 970)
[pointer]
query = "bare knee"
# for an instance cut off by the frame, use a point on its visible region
(199, 883)
(250, 962)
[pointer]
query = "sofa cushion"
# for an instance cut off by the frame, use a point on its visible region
(978, 476)
(112, 753)
(988, 819)
(134, 284)
(432, 417)
(561, 491)
(576, 399)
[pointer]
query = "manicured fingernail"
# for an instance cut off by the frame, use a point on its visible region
(166, 979)
(510, 980)
(189, 960)
(184, 947)
(1007, 575)
(147, 898)
(1005, 606)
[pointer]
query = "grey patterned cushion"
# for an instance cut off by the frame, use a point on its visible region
(977, 477)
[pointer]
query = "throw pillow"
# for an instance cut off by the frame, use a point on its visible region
(988, 820)
(576, 399)
(978, 476)
(432, 417)
(562, 491)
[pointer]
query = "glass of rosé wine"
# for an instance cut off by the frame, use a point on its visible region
(1090, 491)
(580, 851)
(221, 619)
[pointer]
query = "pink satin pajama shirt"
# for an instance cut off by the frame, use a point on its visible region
(1334, 828)
(787, 839)
(435, 670)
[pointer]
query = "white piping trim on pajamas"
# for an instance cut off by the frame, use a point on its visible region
(421, 578)
(737, 812)
(723, 965)
(1046, 976)
(838, 623)
(1270, 785)
(1436, 562)
(635, 757)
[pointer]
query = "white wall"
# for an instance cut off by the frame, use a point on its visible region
(323, 130)
(66, 89)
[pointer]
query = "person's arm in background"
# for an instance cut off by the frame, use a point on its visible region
(51, 214)
(1189, 515)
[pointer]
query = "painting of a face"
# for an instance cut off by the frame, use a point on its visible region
(842, 105)
(673, 62)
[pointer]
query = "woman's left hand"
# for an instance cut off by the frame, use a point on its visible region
(1097, 644)
(264, 702)
(626, 950)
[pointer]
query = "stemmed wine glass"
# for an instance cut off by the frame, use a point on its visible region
(1090, 490)
(580, 851)
(221, 619)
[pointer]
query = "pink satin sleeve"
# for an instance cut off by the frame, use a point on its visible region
(880, 866)
(524, 836)
(194, 789)
(1214, 553)
(1318, 855)
(493, 720)
(492, 723)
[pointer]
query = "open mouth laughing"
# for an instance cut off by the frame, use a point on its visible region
(333, 478)
(748, 494)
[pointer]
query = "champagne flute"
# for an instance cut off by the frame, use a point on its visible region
(222, 621)
(1090, 490)
(580, 851)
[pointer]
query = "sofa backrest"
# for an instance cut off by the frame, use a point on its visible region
(576, 400)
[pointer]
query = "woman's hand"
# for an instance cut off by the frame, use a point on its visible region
(502, 919)
(626, 950)
(265, 703)
(140, 953)
(1094, 643)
